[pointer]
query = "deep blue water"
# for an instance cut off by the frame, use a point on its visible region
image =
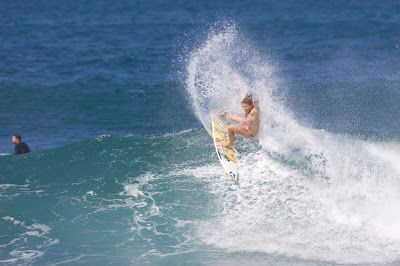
(113, 99)
(72, 71)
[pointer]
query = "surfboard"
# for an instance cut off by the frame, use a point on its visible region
(226, 156)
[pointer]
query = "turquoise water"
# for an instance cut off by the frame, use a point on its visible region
(165, 200)
(90, 209)
(115, 102)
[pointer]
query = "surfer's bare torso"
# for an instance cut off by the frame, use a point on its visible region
(251, 122)
(248, 126)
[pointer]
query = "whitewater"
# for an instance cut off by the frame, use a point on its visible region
(303, 192)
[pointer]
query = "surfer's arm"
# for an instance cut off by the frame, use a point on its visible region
(257, 102)
(252, 116)
(235, 118)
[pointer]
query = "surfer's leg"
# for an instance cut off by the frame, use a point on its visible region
(240, 130)
(232, 129)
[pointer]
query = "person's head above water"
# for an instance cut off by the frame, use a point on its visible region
(16, 138)
(247, 103)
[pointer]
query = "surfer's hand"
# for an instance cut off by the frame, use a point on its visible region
(222, 114)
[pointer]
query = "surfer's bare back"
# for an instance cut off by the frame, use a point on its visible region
(248, 126)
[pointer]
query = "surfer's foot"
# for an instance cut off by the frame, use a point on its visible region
(225, 144)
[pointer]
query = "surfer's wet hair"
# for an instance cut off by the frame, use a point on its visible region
(248, 99)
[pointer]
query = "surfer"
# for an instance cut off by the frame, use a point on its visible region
(248, 126)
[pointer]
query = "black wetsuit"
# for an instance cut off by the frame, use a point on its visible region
(21, 148)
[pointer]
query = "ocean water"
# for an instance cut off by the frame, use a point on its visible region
(114, 99)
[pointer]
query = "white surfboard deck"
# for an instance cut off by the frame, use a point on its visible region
(227, 156)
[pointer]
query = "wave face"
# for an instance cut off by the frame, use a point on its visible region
(107, 200)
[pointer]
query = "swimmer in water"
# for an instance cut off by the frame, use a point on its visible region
(248, 126)
(20, 147)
